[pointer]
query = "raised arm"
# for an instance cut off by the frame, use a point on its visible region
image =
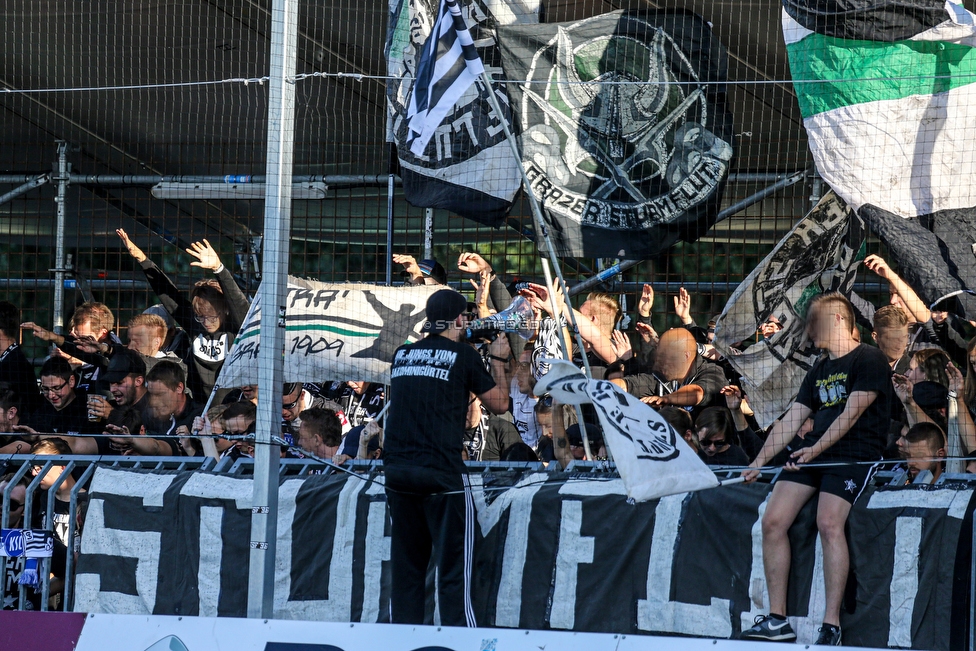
(167, 291)
(915, 305)
(207, 258)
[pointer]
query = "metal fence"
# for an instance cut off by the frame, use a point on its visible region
(82, 468)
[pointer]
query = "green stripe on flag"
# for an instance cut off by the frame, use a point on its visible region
(831, 73)
(334, 329)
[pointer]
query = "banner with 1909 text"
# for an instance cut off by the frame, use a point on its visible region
(334, 331)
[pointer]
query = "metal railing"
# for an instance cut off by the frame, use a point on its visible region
(82, 468)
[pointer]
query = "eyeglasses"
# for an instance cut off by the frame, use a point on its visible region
(201, 319)
(56, 389)
(714, 444)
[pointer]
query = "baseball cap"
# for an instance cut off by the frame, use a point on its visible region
(350, 444)
(443, 307)
(124, 362)
(433, 269)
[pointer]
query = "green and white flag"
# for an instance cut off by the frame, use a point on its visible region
(333, 331)
(888, 96)
(890, 123)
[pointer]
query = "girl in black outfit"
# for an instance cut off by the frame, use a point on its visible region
(212, 313)
(719, 443)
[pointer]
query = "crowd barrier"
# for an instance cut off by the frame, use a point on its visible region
(561, 550)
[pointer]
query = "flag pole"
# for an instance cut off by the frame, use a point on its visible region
(540, 224)
(565, 346)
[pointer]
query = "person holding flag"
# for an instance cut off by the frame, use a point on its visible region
(847, 394)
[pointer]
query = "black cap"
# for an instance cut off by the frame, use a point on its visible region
(432, 269)
(575, 436)
(124, 362)
(443, 308)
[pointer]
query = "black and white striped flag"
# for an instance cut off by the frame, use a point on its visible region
(448, 66)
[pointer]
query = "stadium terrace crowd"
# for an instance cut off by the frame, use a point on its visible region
(99, 395)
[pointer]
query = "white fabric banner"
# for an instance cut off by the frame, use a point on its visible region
(334, 332)
(653, 459)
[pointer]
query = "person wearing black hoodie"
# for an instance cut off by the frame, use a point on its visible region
(211, 314)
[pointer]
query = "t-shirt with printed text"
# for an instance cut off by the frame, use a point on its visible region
(826, 389)
(430, 382)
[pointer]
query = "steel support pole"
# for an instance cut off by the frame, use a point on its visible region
(62, 179)
(277, 229)
(35, 182)
(389, 215)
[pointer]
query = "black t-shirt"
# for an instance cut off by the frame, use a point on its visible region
(731, 456)
(73, 418)
(826, 389)
(490, 438)
(429, 387)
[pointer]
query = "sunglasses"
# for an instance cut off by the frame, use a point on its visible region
(714, 444)
(291, 405)
(15, 505)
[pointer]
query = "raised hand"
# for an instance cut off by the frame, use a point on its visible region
(682, 306)
(956, 381)
(41, 333)
(133, 250)
(903, 387)
(733, 396)
(646, 301)
(472, 263)
(621, 345)
(646, 332)
(205, 254)
(877, 265)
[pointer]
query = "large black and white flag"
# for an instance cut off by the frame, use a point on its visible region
(626, 134)
(465, 165)
(448, 66)
(820, 254)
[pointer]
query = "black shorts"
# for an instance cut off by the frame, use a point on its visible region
(846, 482)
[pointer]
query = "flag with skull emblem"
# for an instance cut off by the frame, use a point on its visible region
(626, 135)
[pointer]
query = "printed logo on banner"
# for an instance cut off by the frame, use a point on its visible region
(631, 132)
(30, 543)
(655, 439)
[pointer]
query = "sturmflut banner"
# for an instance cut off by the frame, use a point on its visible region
(552, 551)
(333, 330)
(626, 135)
